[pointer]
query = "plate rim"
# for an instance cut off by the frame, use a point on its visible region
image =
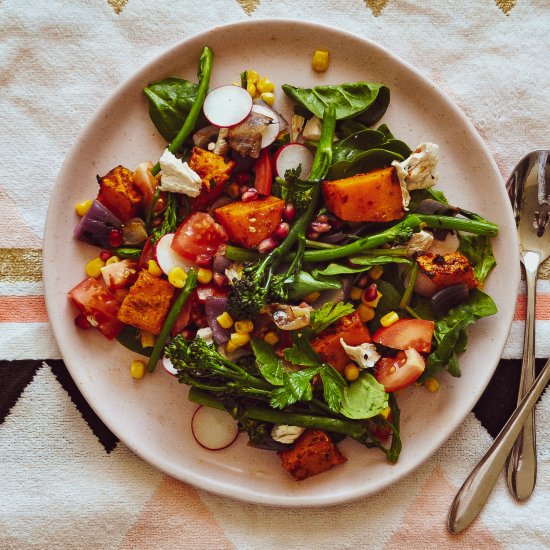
(198, 480)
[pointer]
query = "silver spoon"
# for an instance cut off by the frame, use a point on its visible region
(529, 193)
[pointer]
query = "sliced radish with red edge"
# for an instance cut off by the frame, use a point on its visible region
(169, 367)
(227, 106)
(213, 429)
(168, 258)
(291, 156)
(272, 131)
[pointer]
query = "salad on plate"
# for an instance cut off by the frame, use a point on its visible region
(295, 270)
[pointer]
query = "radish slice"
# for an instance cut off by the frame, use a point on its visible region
(227, 105)
(291, 156)
(168, 258)
(167, 364)
(213, 429)
(272, 131)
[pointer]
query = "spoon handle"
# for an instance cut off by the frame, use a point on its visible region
(473, 494)
(522, 463)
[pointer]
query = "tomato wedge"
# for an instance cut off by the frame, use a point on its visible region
(400, 371)
(264, 173)
(199, 234)
(407, 333)
(99, 306)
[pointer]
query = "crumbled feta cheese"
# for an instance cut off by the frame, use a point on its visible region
(177, 177)
(282, 433)
(365, 355)
(234, 271)
(419, 171)
(296, 126)
(206, 334)
(419, 242)
(312, 129)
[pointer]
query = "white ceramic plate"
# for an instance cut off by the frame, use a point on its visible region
(152, 416)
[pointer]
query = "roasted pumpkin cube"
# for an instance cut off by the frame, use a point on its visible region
(372, 197)
(447, 269)
(328, 344)
(312, 454)
(147, 303)
(118, 193)
(249, 223)
(214, 171)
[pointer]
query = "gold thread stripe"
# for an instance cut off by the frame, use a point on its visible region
(20, 265)
(376, 6)
(248, 6)
(506, 5)
(117, 5)
(23, 309)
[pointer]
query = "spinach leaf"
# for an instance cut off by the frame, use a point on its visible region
(349, 147)
(450, 335)
(364, 161)
(477, 248)
(170, 101)
(129, 338)
(304, 283)
(389, 301)
(269, 363)
(368, 102)
(329, 313)
(366, 262)
(364, 398)
(348, 127)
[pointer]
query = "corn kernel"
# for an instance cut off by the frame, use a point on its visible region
(239, 340)
(204, 276)
(177, 277)
(366, 313)
(265, 85)
(234, 190)
(252, 76)
(431, 384)
(356, 293)
(351, 372)
(225, 320)
(83, 207)
(153, 268)
(271, 338)
(251, 88)
(372, 303)
(375, 272)
(148, 339)
(389, 319)
(385, 413)
(268, 97)
(244, 327)
(137, 369)
(230, 347)
(320, 61)
(93, 267)
(112, 260)
(311, 297)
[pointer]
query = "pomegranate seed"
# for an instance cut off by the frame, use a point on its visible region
(289, 213)
(115, 238)
(250, 195)
(104, 255)
(267, 245)
(363, 281)
(220, 280)
(323, 218)
(243, 178)
(312, 235)
(281, 231)
(81, 321)
(204, 260)
(371, 292)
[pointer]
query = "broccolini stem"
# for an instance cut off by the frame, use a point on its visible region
(478, 226)
(190, 284)
(204, 72)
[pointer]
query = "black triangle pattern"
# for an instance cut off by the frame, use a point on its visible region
(15, 376)
(105, 436)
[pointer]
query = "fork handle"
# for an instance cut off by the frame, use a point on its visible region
(522, 462)
(473, 494)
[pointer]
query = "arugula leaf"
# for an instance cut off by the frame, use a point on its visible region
(450, 335)
(329, 313)
(170, 101)
(269, 363)
(296, 387)
(364, 398)
(366, 262)
(366, 101)
(477, 248)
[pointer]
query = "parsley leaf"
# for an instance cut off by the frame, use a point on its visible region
(328, 314)
(269, 364)
(296, 387)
